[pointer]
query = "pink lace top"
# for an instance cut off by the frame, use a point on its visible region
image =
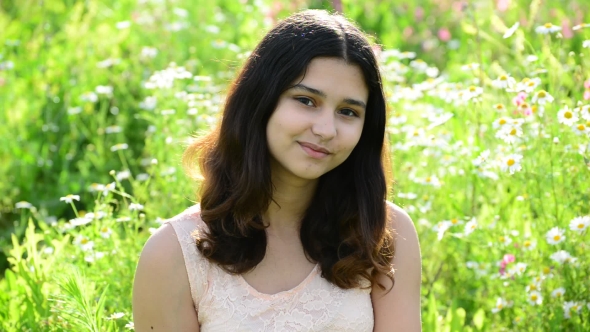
(226, 302)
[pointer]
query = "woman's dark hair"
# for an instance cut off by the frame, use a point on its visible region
(344, 228)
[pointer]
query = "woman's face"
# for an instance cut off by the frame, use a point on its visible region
(318, 121)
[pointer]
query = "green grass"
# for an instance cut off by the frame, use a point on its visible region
(59, 136)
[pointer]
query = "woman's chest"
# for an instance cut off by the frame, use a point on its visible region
(230, 304)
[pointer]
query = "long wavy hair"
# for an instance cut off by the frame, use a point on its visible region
(344, 229)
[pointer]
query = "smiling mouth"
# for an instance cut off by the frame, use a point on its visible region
(314, 151)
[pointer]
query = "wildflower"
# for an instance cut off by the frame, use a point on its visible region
(503, 82)
(148, 52)
(567, 117)
(120, 146)
(586, 43)
(130, 326)
(511, 31)
(509, 134)
(104, 90)
(547, 28)
(500, 304)
(89, 96)
(470, 66)
(93, 256)
(580, 26)
(113, 129)
(579, 224)
(542, 97)
(482, 158)
(505, 240)
(558, 292)
(135, 207)
(407, 55)
(511, 163)
(74, 110)
(123, 219)
(142, 177)
(520, 268)
(84, 243)
(23, 205)
(441, 228)
(149, 103)
(499, 107)
(562, 256)
(555, 236)
(80, 221)
(569, 307)
(470, 226)
(584, 112)
(581, 129)
(498, 123)
(123, 25)
(116, 315)
(535, 298)
(529, 244)
(419, 65)
(533, 286)
(123, 175)
(70, 198)
(472, 92)
(105, 232)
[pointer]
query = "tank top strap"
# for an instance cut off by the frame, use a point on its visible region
(188, 227)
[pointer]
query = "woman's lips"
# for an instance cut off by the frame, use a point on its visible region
(313, 150)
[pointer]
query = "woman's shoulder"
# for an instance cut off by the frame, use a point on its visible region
(188, 220)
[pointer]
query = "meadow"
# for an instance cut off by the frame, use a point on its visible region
(489, 132)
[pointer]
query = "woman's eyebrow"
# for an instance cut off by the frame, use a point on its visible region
(349, 101)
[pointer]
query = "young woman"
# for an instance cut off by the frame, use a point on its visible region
(293, 231)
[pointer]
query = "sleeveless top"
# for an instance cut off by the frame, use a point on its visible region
(226, 302)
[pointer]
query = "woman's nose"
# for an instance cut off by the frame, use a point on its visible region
(324, 125)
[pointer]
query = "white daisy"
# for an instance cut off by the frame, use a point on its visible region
(586, 43)
(581, 129)
(529, 244)
(23, 205)
(500, 304)
(562, 256)
(441, 228)
(584, 112)
(84, 243)
(558, 292)
(120, 146)
(70, 198)
(482, 158)
(567, 117)
(135, 207)
(511, 163)
(547, 28)
(555, 235)
(503, 82)
(570, 307)
(579, 224)
(542, 97)
(535, 298)
(106, 232)
(498, 123)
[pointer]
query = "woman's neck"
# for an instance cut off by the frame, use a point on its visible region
(290, 201)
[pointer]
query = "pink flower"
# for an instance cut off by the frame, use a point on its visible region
(519, 99)
(566, 30)
(502, 5)
(587, 84)
(587, 95)
(419, 14)
(444, 34)
(507, 259)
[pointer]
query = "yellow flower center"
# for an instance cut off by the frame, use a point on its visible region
(502, 239)
(531, 83)
(580, 226)
(568, 115)
(556, 237)
(533, 287)
(513, 132)
(581, 127)
(104, 230)
(500, 306)
(548, 25)
(84, 241)
(527, 244)
(454, 221)
(510, 162)
(502, 122)
(503, 78)
(534, 108)
(534, 297)
(541, 94)
(428, 179)
(499, 106)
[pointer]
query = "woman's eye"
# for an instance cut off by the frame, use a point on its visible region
(348, 112)
(305, 101)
